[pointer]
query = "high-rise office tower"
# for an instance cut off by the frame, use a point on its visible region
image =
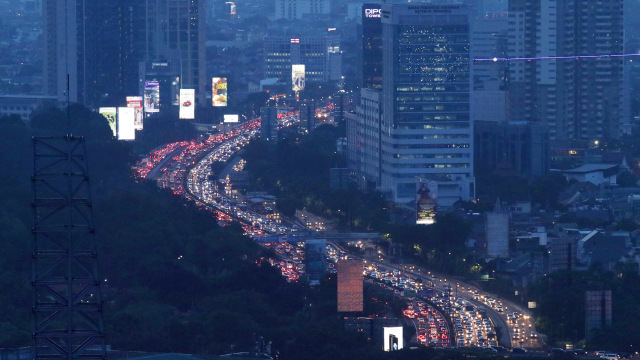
(363, 126)
(307, 113)
(101, 45)
(319, 53)
(269, 124)
(371, 46)
(426, 128)
(363, 138)
(90, 45)
(488, 78)
(108, 58)
(60, 49)
(580, 98)
(174, 36)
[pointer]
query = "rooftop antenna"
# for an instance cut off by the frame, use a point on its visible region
(68, 106)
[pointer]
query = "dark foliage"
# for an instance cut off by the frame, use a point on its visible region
(561, 307)
(298, 174)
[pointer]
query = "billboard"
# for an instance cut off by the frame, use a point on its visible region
(231, 118)
(126, 129)
(350, 285)
(316, 260)
(297, 77)
(219, 91)
(136, 103)
(151, 96)
(187, 103)
(110, 114)
(426, 203)
(392, 338)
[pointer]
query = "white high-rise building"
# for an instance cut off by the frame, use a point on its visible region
(426, 130)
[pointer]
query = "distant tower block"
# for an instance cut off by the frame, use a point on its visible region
(497, 232)
(316, 260)
(350, 280)
(597, 311)
(67, 303)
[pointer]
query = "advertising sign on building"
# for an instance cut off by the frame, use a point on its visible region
(126, 129)
(350, 284)
(298, 77)
(110, 114)
(151, 96)
(187, 103)
(393, 338)
(219, 91)
(136, 103)
(231, 118)
(426, 203)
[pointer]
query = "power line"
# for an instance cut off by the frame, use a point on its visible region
(575, 57)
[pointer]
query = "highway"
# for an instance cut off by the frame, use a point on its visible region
(463, 315)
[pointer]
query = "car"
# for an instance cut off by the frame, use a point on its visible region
(610, 356)
(500, 348)
(518, 350)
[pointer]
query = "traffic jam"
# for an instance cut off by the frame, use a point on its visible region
(189, 163)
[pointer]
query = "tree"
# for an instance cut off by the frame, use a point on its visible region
(546, 190)
(627, 179)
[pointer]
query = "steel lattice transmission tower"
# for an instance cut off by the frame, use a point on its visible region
(67, 303)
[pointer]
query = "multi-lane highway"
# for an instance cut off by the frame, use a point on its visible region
(446, 313)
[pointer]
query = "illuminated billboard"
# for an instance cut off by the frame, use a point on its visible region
(426, 203)
(232, 7)
(231, 118)
(136, 103)
(151, 96)
(316, 260)
(392, 338)
(297, 77)
(187, 103)
(110, 114)
(126, 129)
(219, 91)
(350, 285)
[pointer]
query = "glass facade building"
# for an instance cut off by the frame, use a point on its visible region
(371, 46)
(320, 54)
(426, 130)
